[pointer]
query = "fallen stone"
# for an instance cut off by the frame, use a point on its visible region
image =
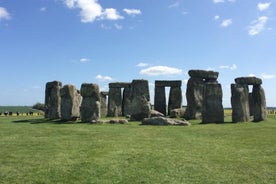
(164, 121)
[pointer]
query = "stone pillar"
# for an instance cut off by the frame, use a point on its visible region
(251, 104)
(160, 99)
(175, 98)
(90, 106)
(114, 101)
(140, 100)
(194, 96)
(259, 103)
(70, 103)
(103, 95)
(126, 101)
(52, 100)
(212, 111)
(240, 103)
(194, 92)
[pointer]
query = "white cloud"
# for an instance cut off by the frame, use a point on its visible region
(161, 70)
(4, 14)
(218, 1)
(43, 9)
(132, 12)
(223, 1)
(267, 76)
(118, 26)
(103, 78)
(216, 17)
(226, 22)
(84, 60)
(252, 75)
(142, 64)
(233, 67)
(91, 10)
(257, 26)
(174, 5)
(111, 14)
(263, 6)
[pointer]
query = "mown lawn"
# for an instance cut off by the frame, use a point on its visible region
(39, 151)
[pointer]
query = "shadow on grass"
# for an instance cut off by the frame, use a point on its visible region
(43, 120)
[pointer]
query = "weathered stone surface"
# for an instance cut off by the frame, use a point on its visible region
(249, 80)
(212, 109)
(70, 103)
(168, 83)
(53, 100)
(259, 103)
(90, 106)
(140, 100)
(203, 74)
(160, 100)
(114, 102)
(164, 121)
(118, 121)
(119, 85)
(175, 98)
(154, 113)
(194, 96)
(251, 104)
(90, 90)
(240, 103)
(177, 113)
(126, 104)
(103, 95)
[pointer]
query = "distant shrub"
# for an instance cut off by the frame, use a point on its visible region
(39, 106)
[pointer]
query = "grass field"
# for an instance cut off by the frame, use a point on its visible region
(34, 150)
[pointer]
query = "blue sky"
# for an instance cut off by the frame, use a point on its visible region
(78, 41)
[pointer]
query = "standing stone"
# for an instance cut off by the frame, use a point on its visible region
(70, 103)
(103, 95)
(90, 106)
(259, 103)
(160, 99)
(240, 103)
(114, 102)
(126, 104)
(140, 100)
(212, 110)
(251, 104)
(175, 98)
(194, 95)
(53, 100)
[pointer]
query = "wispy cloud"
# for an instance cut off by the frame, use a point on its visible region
(160, 70)
(132, 12)
(84, 60)
(91, 10)
(216, 17)
(102, 78)
(118, 26)
(230, 67)
(4, 14)
(267, 76)
(174, 5)
(257, 26)
(263, 6)
(223, 1)
(142, 64)
(226, 23)
(43, 9)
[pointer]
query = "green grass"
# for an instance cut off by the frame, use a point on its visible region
(39, 151)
